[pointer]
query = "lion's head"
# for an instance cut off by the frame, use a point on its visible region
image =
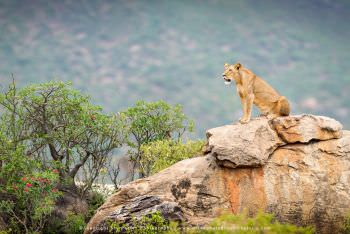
(231, 72)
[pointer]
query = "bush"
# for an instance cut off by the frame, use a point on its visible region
(74, 224)
(148, 224)
(27, 191)
(261, 223)
(346, 226)
(159, 155)
(94, 202)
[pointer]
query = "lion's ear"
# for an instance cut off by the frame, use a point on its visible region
(226, 65)
(238, 66)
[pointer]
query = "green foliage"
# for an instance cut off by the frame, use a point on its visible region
(346, 225)
(27, 191)
(74, 223)
(60, 127)
(54, 225)
(152, 121)
(95, 200)
(148, 224)
(49, 132)
(159, 155)
(261, 223)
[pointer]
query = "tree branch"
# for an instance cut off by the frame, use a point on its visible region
(76, 168)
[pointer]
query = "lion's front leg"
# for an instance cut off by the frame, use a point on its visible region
(247, 104)
(244, 119)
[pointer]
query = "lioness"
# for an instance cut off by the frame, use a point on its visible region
(252, 89)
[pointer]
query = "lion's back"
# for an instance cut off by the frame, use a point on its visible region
(262, 90)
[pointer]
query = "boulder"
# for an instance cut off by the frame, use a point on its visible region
(138, 207)
(250, 145)
(184, 185)
(304, 128)
(308, 184)
(243, 145)
(249, 167)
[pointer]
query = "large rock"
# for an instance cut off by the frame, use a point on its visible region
(304, 128)
(187, 183)
(309, 183)
(243, 145)
(138, 207)
(305, 183)
(251, 144)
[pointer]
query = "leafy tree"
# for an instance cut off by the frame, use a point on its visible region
(60, 126)
(159, 155)
(153, 121)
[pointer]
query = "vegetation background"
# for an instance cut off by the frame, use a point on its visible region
(124, 51)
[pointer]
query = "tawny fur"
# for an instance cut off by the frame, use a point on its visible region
(254, 90)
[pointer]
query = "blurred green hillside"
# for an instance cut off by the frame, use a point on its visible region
(123, 51)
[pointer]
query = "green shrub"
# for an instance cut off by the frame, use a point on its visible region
(148, 224)
(346, 226)
(74, 223)
(54, 225)
(27, 191)
(30, 201)
(95, 200)
(159, 155)
(261, 223)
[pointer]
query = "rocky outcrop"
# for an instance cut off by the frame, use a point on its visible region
(251, 144)
(296, 167)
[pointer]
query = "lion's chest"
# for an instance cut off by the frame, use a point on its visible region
(241, 91)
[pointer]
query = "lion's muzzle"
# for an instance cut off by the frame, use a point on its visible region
(227, 81)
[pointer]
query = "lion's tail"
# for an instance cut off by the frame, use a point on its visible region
(284, 106)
